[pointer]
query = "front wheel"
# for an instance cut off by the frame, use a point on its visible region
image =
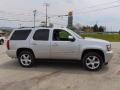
(92, 61)
(26, 59)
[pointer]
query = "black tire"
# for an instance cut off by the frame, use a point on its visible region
(90, 65)
(1, 42)
(30, 61)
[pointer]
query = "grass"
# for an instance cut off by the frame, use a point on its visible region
(108, 37)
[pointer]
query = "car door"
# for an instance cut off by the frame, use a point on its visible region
(61, 47)
(40, 43)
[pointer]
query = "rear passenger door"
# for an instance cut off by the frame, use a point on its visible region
(40, 43)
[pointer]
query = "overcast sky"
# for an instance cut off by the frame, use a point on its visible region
(86, 12)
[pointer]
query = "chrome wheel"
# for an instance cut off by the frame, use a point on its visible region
(92, 62)
(25, 59)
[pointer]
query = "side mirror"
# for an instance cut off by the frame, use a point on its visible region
(71, 38)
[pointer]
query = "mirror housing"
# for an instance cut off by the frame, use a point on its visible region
(71, 38)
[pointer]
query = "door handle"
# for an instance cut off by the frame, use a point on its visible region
(55, 44)
(34, 44)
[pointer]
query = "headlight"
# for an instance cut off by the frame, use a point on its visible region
(108, 47)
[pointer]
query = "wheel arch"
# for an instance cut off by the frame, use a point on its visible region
(94, 50)
(1, 39)
(24, 49)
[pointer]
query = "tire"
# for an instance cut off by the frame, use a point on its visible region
(1, 42)
(26, 59)
(92, 61)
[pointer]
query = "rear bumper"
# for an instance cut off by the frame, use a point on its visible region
(11, 53)
(108, 57)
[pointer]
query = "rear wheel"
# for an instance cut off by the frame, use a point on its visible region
(1, 42)
(26, 59)
(92, 61)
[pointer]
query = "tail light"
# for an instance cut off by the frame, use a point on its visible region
(8, 44)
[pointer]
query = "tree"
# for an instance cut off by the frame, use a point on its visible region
(72, 28)
(95, 28)
(101, 29)
(78, 26)
(51, 25)
(43, 24)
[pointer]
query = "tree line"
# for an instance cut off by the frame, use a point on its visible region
(87, 28)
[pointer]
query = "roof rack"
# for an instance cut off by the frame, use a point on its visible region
(35, 27)
(26, 27)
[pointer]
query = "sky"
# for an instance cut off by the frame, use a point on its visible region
(85, 12)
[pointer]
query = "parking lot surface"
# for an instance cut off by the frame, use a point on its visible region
(63, 75)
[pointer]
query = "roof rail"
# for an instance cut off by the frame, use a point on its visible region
(26, 27)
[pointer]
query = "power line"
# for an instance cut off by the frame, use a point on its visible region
(10, 13)
(23, 14)
(96, 10)
(4, 19)
(107, 3)
(16, 20)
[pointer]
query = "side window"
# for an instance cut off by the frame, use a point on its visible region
(60, 35)
(20, 35)
(41, 34)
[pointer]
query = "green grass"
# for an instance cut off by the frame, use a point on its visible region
(108, 37)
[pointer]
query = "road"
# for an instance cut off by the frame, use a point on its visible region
(58, 75)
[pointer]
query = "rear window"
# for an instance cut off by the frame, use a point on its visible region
(20, 35)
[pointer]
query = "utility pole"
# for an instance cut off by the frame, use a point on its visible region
(34, 12)
(46, 5)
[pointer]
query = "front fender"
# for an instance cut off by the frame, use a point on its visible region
(93, 47)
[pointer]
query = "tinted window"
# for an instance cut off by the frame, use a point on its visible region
(42, 34)
(20, 35)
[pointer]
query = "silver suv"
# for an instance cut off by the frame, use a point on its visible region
(29, 44)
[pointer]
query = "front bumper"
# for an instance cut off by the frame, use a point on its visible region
(108, 56)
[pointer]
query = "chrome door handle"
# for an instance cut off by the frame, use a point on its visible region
(34, 44)
(55, 44)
